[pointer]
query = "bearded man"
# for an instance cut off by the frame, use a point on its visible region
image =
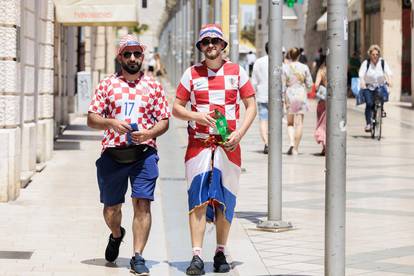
(132, 110)
(213, 164)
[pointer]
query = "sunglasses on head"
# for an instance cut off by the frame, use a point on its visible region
(207, 41)
(136, 54)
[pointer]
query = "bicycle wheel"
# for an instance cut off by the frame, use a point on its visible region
(373, 122)
(378, 123)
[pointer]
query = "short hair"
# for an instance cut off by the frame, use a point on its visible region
(267, 47)
(294, 53)
(374, 47)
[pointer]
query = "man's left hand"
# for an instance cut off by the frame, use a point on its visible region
(140, 136)
(233, 141)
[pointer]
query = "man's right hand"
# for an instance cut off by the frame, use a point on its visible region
(205, 119)
(119, 126)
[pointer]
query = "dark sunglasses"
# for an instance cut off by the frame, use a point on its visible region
(136, 54)
(207, 41)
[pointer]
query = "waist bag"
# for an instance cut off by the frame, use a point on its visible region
(130, 154)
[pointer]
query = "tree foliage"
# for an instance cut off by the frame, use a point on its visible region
(249, 33)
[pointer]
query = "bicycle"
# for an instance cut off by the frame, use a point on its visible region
(377, 115)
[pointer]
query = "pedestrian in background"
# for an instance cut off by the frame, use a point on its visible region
(133, 111)
(213, 164)
(302, 58)
(321, 84)
(260, 81)
(251, 58)
(375, 77)
(159, 67)
(297, 81)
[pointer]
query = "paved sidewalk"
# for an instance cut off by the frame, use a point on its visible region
(56, 226)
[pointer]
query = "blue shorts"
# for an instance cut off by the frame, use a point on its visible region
(113, 178)
(263, 111)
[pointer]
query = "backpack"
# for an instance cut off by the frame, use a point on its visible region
(382, 65)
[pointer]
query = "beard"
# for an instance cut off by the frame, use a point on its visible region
(131, 68)
(213, 54)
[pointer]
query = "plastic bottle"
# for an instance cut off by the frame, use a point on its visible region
(221, 125)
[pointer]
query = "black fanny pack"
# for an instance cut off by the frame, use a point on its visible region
(126, 155)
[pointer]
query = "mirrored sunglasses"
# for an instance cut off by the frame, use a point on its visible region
(207, 41)
(136, 54)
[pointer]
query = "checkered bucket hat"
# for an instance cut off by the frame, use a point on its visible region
(211, 30)
(129, 40)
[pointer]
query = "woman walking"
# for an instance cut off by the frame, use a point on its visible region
(321, 85)
(297, 80)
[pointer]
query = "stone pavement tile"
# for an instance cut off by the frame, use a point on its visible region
(384, 273)
(353, 271)
(275, 270)
(302, 266)
(405, 260)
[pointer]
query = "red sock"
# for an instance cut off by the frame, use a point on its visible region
(220, 248)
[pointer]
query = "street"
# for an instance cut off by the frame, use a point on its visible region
(56, 226)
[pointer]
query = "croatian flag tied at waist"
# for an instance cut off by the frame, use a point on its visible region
(213, 177)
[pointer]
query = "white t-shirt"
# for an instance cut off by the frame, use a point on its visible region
(374, 76)
(260, 79)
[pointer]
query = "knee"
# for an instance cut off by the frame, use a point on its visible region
(112, 210)
(142, 206)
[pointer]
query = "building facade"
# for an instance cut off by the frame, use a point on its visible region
(26, 91)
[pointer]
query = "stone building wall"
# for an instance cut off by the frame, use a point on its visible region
(26, 91)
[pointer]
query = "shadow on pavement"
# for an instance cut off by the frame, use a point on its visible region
(66, 145)
(119, 263)
(368, 136)
(80, 137)
(208, 266)
(79, 127)
(254, 217)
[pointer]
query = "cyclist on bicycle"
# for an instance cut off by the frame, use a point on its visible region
(375, 77)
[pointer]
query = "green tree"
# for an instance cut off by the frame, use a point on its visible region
(138, 29)
(249, 33)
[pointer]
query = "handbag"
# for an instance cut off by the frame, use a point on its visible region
(321, 94)
(130, 154)
(312, 92)
(355, 86)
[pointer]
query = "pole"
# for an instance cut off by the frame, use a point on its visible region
(234, 31)
(335, 191)
(275, 120)
(196, 19)
(217, 11)
(204, 12)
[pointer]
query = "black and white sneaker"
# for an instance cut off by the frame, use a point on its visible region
(220, 263)
(112, 249)
(138, 266)
(196, 266)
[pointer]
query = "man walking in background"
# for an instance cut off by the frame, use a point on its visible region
(260, 81)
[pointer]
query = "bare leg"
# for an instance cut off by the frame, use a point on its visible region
(113, 218)
(141, 224)
(298, 130)
(198, 225)
(291, 129)
(264, 131)
(222, 227)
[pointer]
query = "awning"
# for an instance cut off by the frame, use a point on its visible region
(354, 13)
(97, 12)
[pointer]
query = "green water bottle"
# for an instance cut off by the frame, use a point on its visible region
(221, 125)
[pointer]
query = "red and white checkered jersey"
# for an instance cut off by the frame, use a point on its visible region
(208, 90)
(141, 101)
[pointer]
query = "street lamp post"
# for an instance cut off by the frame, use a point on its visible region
(335, 191)
(234, 31)
(274, 221)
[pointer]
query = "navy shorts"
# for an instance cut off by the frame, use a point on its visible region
(113, 177)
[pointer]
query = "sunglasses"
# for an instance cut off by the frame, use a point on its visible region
(136, 54)
(208, 41)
